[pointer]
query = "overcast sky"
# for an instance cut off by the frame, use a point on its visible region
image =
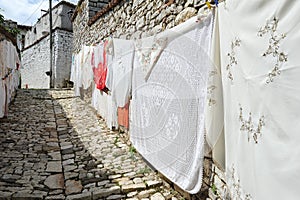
(26, 11)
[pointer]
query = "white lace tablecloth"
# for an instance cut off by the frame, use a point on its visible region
(168, 99)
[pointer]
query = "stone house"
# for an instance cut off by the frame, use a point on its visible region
(95, 20)
(36, 52)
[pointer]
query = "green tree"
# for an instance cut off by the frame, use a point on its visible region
(1, 17)
(13, 31)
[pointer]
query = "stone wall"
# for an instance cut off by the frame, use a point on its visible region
(131, 19)
(60, 19)
(96, 5)
(36, 61)
(218, 188)
(62, 51)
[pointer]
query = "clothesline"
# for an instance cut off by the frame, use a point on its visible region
(130, 68)
(248, 92)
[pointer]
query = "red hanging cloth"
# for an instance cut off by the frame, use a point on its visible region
(100, 72)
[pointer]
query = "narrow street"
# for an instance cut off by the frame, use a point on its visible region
(53, 146)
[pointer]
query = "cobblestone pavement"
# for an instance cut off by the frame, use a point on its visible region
(53, 146)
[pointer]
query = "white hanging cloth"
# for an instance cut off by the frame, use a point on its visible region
(73, 68)
(87, 70)
(119, 76)
(76, 72)
(106, 107)
(101, 101)
(2, 98)
(214, 113)
(259, 43)
(168, 100)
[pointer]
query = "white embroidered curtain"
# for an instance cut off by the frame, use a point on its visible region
(259, 60)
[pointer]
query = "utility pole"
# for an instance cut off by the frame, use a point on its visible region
(51, 46)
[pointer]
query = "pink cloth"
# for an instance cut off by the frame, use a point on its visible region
(123, 116)
(100, 72)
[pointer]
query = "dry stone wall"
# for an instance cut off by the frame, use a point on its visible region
(95, 5)
(131, 19)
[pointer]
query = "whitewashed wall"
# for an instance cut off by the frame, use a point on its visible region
(62, 57)
(36, 62)
(60, 19)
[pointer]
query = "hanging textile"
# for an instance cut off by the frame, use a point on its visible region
(76, 72)
(73, 68)
(120, 71)
(214, 113)
(87, 70)
(101, 101)
(123, 116)
(2, 98)
(259, 56)
(100, 66)
(168, 100)
(106, 107)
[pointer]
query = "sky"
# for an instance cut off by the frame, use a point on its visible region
(26, 12)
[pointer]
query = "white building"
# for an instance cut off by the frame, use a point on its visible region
(36, 53)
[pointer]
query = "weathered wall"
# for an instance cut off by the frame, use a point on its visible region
(132, 19)
(62, 57)
(95, 5)
(218, 188)
(60, 19)
(9, 72)
(36, 61)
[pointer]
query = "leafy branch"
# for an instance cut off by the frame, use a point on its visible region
(1, 17)
(13, 31)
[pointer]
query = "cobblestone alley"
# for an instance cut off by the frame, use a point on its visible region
(53, 146)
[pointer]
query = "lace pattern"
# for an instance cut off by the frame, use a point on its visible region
(167, 109)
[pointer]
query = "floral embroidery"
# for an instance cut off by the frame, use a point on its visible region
(235, 186)
(147, 55)
(248, 126)
(232, 58)
(211, 89)
(273, 49)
